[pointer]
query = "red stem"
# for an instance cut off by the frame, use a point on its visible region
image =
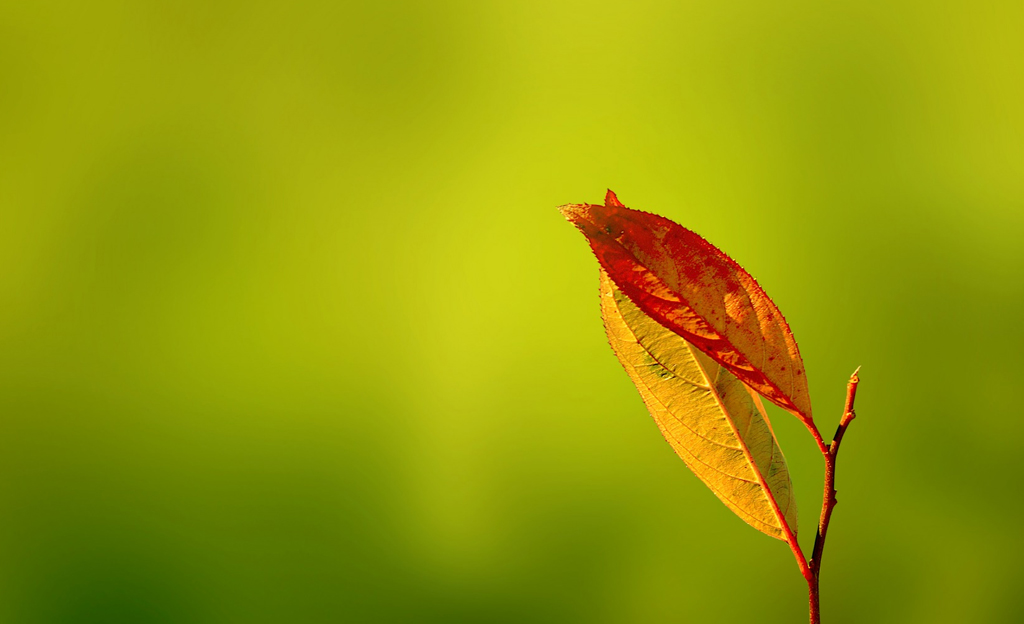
(812, 570)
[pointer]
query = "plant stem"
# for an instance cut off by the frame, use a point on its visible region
(828, 502)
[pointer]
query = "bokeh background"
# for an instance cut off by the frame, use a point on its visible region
(291, 331)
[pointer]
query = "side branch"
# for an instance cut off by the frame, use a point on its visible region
(829, 501)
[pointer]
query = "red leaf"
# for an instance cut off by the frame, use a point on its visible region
(694, 289)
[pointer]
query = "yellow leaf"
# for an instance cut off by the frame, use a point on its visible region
(712, 420)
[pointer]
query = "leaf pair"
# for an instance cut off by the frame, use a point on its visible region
(698, 336)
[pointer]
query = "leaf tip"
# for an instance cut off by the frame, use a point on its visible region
(610, 200)
(573, 213)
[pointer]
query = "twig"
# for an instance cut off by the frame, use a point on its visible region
(829, 502)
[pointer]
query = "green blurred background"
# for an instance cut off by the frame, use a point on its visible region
(291, 331)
